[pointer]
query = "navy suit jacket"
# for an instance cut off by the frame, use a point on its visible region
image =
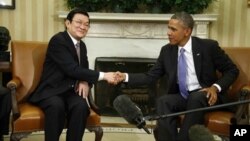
(208, 59)
(61, 68)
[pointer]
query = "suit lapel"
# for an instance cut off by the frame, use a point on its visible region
(197, 56)
(82, 52)
(84, 58)
(175, 58)
(71, 45)
(173, 63)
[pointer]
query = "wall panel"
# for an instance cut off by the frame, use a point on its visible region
(37, 20)
(33, 19)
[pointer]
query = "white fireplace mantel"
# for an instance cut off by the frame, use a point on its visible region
(138, 17)
(127, 25)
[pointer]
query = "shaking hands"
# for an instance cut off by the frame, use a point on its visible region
(114, 77)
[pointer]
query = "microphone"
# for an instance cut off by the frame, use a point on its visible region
(130, 112)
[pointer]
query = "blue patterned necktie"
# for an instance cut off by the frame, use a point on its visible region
(182, 73)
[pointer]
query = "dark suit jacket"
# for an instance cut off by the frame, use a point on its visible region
(208, 58)
(61, 68)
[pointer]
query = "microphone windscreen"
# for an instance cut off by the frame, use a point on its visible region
(200, 133)
(127, 109)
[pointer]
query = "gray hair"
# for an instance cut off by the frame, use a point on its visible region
(185, 18)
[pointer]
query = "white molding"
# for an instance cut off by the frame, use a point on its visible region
(94, 16)
(143, 26)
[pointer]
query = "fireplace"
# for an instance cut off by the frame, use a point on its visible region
(143, 96)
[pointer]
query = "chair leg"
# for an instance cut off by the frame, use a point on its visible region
(98, 132)
(18, 136)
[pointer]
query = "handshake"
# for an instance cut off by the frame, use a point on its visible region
(114, 77)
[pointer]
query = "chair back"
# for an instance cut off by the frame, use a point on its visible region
(240, 57)
(27, 65)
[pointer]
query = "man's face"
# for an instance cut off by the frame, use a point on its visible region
(178, 33)
(78, 27)
(4, 37)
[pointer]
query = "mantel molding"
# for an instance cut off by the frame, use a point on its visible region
(139, 25)
(94, 16)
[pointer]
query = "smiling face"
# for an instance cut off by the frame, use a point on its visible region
(178, 33)
(78, 26)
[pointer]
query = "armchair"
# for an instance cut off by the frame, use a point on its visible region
(219, 121)
(27, 63)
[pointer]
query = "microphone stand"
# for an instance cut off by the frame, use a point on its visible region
(156, 117)
(141, 124)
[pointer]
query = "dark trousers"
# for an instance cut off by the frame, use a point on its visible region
(171, 103)
(5, 108)
(69, 106)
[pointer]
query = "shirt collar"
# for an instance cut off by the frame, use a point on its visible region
(73, 39)
(187, 46)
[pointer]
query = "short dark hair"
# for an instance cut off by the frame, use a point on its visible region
(186, 18)
(5, 38)
(74, 11)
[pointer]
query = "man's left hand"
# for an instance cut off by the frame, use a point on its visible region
(83, 89)
(211, 93)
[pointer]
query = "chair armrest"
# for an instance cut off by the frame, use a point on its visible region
(93, 106)
(13, 85)
(242, 114)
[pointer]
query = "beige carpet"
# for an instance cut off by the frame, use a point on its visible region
(115, 129)
(108, 136)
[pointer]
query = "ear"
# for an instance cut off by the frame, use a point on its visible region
(188, 31)
(67, 22)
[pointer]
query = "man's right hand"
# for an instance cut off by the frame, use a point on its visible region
(114, 77)
(110, 77)
(120, 77)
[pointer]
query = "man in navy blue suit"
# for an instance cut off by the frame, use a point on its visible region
(203, 58)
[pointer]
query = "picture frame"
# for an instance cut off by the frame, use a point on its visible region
(7, 4)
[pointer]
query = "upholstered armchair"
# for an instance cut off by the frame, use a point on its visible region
(27, 65)
(219, 121)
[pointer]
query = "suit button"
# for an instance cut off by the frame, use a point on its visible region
(72, 86)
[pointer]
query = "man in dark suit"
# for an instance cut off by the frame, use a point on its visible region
(5, 97)
(198, 87)
(66, 80)
(5, 108)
